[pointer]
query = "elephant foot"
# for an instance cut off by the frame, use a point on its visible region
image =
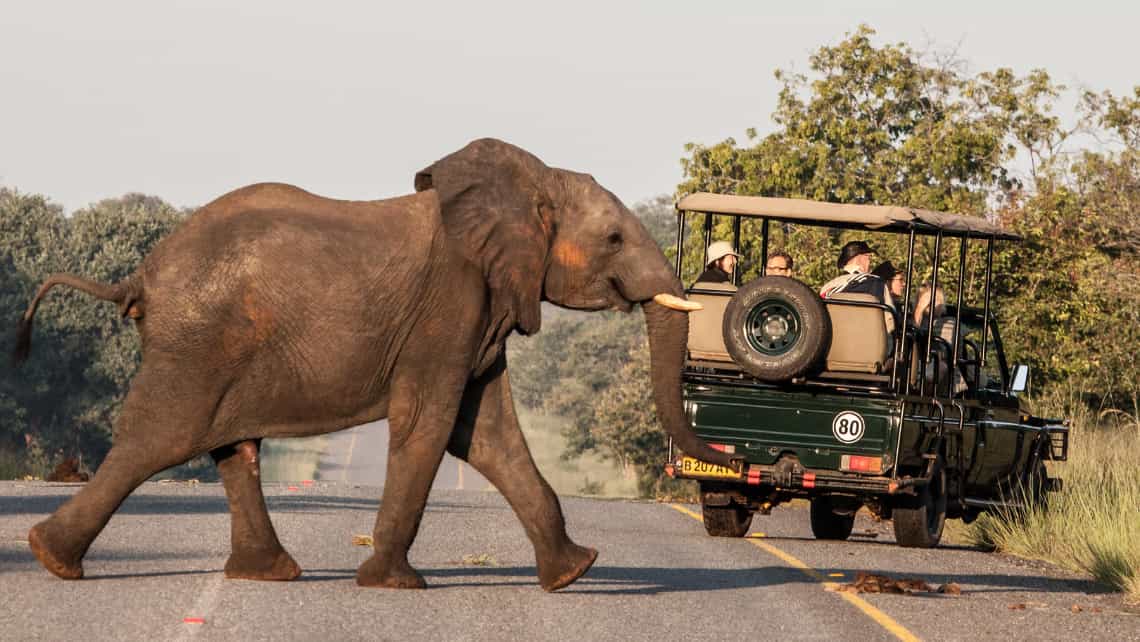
(58, 564)
(569, 567)
(278, 567)
(400, 575)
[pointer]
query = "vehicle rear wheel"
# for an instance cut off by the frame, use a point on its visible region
(727, 521)
(919, 522)
(828, 524)
(776, 328)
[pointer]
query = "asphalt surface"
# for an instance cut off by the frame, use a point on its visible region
(159, 561)
(360, 454)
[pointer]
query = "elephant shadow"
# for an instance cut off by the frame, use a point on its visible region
(622, 580)
(640, 580)
(600, 580)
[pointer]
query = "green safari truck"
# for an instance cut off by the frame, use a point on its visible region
(848, 401)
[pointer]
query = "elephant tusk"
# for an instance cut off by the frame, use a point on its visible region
(677, 303)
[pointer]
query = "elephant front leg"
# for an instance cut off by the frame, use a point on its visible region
(419, 426)
(487, 435)
(256, 554)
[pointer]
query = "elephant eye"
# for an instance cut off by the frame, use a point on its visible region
(614, 239)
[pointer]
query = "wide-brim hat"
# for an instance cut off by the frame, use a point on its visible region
(719, 250)
(851, 250)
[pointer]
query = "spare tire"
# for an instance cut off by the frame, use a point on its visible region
(777, 328)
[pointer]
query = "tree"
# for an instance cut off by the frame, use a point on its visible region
(885, 125)
(67, 395)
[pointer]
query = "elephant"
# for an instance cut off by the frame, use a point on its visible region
(272, 312)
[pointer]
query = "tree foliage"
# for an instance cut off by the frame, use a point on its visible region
(884, 124)
(64, 399)
(867, 123)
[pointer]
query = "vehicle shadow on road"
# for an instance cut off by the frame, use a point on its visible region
(871, 541)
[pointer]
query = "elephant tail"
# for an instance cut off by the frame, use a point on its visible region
(126, 294)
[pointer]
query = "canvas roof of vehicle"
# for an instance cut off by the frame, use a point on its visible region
(878, 218)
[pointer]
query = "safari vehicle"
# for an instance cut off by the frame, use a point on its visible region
(823, 401)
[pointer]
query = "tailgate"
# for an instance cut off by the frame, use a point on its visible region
(763, 423)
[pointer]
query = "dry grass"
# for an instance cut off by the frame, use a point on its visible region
(15, 466)
(1093, 526)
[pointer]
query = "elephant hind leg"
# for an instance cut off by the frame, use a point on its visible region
(150, 436)
(256, 553)
(487, 435)
(60, 541)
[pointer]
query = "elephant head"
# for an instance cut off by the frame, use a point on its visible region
(540, 233)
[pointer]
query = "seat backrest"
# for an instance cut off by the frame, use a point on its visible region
(706, 337)
(859, 338)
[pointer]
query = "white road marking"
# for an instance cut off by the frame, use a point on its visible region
(348, 457)
(203, 608)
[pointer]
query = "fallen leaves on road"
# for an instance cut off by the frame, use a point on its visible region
(482, 559)
(362, 540)
(188, 482)
(873, 583)
(950, 588)
(1021, 606)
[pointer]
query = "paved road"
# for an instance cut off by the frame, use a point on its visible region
(360, 454)
(658, 576)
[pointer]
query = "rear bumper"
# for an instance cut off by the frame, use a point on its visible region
(803, 479)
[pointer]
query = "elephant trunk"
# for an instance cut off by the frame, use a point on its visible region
(668, 333)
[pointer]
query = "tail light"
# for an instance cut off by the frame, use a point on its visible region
(860, 464)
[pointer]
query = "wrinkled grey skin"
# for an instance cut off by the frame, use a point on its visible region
(273, 312)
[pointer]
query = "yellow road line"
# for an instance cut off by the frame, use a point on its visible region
(884, 620)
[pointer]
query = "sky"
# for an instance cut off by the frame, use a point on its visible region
(188, 100)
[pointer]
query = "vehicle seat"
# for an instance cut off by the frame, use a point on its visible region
(706, 334)
(859, 338)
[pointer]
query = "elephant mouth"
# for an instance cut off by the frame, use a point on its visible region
(599, 294)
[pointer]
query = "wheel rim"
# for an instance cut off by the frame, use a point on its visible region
(772, 327)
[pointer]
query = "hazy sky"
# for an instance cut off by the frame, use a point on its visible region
(187, 100)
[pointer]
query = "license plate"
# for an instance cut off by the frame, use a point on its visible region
(697, 468)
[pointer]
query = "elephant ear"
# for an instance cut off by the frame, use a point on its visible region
(495, 202)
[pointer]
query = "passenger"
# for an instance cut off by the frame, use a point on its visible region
(779, 264)
(894, 277)
(943, 329)
(922, 304)
(855, 261)
(722, 262)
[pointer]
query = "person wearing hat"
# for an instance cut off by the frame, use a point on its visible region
(855, 261)
(722, 261)
(894, 277)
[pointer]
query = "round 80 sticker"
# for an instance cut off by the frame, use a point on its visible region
(848, 427)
